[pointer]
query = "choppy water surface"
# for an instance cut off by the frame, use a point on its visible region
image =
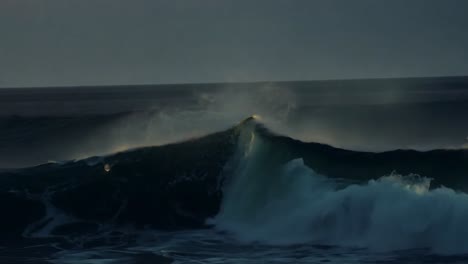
(206, 246)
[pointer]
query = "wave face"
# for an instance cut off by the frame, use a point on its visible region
(169, 187)
(257, 186)
(289, 203)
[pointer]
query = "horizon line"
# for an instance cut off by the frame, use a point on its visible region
(233, 82)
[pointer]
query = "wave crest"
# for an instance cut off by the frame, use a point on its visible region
(286, 204)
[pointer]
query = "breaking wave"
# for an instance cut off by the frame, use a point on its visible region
(274, 203)
(254, 185)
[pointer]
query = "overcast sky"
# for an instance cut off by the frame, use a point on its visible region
(94, 42)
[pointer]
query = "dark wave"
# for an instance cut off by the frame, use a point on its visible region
(179, 186)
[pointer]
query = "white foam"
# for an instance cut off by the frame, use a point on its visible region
(53, 218)
(290, 203)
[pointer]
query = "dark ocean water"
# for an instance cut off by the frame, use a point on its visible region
(42, 124)
(206, 247)
(170, 174)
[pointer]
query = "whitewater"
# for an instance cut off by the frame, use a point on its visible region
(287, 204)
(238, 196)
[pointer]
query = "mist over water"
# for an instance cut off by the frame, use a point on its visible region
(42, 124)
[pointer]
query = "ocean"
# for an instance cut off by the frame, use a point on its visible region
(352, 171)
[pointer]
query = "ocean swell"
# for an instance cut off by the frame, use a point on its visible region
(256, 186)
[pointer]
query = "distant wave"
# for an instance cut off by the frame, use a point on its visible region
(254, 184)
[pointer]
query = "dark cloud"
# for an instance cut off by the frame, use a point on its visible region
(56, 42)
